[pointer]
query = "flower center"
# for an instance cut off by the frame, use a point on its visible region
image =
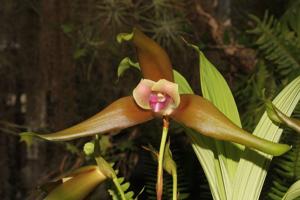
(158, 101)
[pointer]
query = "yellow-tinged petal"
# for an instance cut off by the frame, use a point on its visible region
(120, 114)
(79, 185)
(153, 59)
(168, 88)
(142, 92)
(201, 115)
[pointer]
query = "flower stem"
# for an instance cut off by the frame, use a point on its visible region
(159, 184)
(174, 177)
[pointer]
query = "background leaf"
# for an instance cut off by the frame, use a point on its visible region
(293, 192)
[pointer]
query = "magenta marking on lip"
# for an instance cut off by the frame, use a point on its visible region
(158, 101)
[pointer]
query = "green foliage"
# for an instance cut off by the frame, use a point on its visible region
(279, 44)
(255, 171)
(291, 17)
(293, 192)
(226, 173)
(125, 189)
(287, 167)
(126, 63)
(215, 88)
(250, 93)
(120, 189)
(124, 37)
(222, 155)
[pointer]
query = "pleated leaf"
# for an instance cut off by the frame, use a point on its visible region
(252, 168)
(215, 88)
(202, 146)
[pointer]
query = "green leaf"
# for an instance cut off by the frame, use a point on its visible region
(184, 86)
(293, 192)
(129, 195)
(278, 44)
(120, 191)
(125, 186)
(105, 167)
(126, 63)
(114, 195)
(168, 162)
(124, 37)
(252, 168)
(215, 88)
(202, 146)
(121, 180)
(272, 112)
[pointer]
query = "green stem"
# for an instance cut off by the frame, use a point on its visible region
(119, 188)
(110, 173)
(159, 184)
(174, 176)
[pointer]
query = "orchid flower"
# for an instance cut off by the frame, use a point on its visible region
(157, 96)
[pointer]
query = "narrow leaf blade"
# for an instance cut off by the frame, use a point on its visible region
(215, 89)
(293, 192)
(252, 168)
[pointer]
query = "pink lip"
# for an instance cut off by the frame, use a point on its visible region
(158, 101)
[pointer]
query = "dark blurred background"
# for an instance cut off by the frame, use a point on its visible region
(58, 66)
